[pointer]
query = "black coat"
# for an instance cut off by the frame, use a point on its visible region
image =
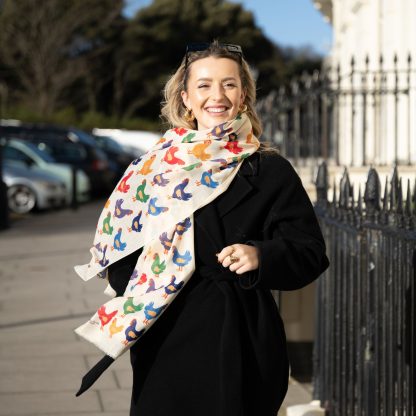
(220, 349)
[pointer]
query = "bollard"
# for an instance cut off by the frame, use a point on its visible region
(4, 206)
(74, 200)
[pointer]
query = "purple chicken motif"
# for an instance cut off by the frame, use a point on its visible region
(103, 262)
(179, 191)
(158, 179)
(166, 241)
(119, 211)
(182, 227)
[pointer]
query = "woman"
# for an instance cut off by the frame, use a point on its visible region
(243, 225)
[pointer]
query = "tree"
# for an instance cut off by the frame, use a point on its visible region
(47, 44)
(154, 44)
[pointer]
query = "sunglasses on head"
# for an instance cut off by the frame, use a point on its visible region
(198, 47)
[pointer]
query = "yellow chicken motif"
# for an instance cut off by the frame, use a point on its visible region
(114, 328)
(146, 168)
(199, 150)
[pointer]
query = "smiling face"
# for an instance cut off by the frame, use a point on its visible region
(214, 91)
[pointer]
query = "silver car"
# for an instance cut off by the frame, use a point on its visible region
(26, 152)
(30, 188)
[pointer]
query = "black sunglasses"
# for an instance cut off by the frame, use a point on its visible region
(198, 47)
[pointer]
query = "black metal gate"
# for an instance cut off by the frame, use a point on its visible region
(364, 355)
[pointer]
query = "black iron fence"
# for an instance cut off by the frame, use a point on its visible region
(351, 115)
(364, 354)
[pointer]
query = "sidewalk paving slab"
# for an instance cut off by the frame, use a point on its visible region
(42, 301)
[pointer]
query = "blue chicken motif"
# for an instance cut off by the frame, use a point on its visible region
(118, 244)
(181, 260)
(206, 179)
(153, 209)
(132, 334)
(135, 225)
(150, 312)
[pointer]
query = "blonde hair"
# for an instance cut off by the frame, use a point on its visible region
(173, 109)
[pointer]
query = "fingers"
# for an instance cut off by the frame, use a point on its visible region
(227, 254)
(246, 258)
(223, 256)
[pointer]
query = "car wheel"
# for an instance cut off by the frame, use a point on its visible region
(21, 199)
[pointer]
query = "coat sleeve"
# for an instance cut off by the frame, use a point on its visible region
(292, 253)
(119, 272)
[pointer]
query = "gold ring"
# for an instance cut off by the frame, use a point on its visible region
(234, 259)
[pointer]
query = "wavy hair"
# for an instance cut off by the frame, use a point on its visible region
(173, 109)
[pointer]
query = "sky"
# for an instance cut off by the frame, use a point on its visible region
(294, 23)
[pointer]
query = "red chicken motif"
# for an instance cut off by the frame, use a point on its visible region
(171, 158)
(105, 317)
(123, 186)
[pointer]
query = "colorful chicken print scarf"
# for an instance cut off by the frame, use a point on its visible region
(152, 207)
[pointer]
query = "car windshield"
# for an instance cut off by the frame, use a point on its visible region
(107, 143)
(41, 153)
(84, 137)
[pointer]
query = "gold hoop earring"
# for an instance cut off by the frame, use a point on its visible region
(189, 115)
(243, 108)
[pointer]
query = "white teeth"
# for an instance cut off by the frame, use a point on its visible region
(216, 110)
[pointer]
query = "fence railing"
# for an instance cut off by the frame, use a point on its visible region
(364, 354)
(352, 115)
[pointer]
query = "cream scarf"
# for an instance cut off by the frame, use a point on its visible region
(152, 207)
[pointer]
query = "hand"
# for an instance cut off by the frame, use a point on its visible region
(248, 258)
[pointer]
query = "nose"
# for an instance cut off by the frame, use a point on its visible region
(217, 91)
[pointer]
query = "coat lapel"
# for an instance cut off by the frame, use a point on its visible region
(207, 217)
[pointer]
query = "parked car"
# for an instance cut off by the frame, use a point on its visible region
(136, 142)
(67, 145)
(32, 188)
(27, 153)
(116, 153)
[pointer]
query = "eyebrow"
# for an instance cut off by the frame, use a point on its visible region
(210, 79)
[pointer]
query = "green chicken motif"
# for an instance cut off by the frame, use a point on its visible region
(157, 266)
(130, 307)
(107, 228)
(140, 194)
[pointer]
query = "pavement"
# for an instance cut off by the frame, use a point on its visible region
(42, 300)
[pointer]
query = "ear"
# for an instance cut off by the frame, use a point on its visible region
(185, 99)
(243, 96)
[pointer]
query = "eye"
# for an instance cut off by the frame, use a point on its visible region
(203, 86)
(230, 85)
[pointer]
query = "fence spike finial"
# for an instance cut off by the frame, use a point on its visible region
(385, 196)
(321, 183)
(334, 194)
(394, 188)
(399, 203)
(414, 199)
(408, 203)
(359, 203)
(372, 191)
(345, 189)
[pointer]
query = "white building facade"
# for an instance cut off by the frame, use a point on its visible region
(375, 119)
